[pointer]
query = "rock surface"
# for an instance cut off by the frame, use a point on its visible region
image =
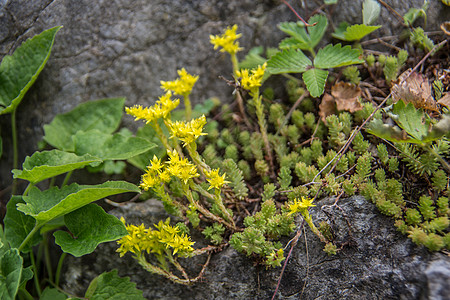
(123, 49)
(376, 262)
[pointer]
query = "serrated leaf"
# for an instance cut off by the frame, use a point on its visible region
(388, 132)
(27, 274)
(10, 274)
(335, 56)
(371, 11)
(18, 226)
(315, 80)
(306, 40)
(411, 120)
(52, 294)
(354, 32)
(103, 115)
(253, 59)
(288, 61)
(47, 164)
(109, 146)
(54, 202)
(19, 71)
(111, 286)
(89, 226)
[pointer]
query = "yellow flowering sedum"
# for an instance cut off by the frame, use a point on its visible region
(215, 180)
(182, 85)
(228, 40)
(165, 237)
(252, 80)
(300, 206)
(160, 109)
(187, 132)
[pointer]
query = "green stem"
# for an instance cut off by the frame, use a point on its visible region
(30, 185)
(187, 107)
(48, 263)
(235, 63)
(289, 76)
(15, 149)
(59, 268)
(30, 235)
(313, 227)
(198, 160)
(154, 269)
(36, 279)
(66, 179)
(161, 135)
(24, 294)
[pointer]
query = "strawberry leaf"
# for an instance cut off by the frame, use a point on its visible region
(288, 61)
(335, 56)
(315, 80)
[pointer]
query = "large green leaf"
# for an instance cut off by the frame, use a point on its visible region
(110, 286)
(336, 56)
(353, 32)
(109, 146)
(54, 202)
(253, 58)
(103, 115)
(315, 80)
(371, 11)
(306, 40)
(10, 274)
(411, 120)
(19, 71)
(47, 164)
(89, 226)
(143, 160)
(52, 294)
(389, 132)
(18, 226)
(288, 61)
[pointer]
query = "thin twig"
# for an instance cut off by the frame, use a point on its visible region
(288, 116)
(298, 16)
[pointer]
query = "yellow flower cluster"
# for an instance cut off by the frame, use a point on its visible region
(187, 132)
(182, 85)
(215, 180)
(227, 40)
(158, 172)
(300, 206)
(156, 241)
(251, 80)
(160, 109)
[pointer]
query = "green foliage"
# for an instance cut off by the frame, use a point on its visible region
(355, 32)
(419, 38)
(371, 11)
(413, 13)
(390, 69)
(426, 208)
(11, 268)
(214, 233)
(269, 192)
(89, 226)
(235, 175)
(110, 286)
(382, 153)
(352, 74)
(19, 71)
(284, 178)
(439, 180)
(438, 88)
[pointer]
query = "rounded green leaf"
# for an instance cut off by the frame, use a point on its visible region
(103, 115)
(19, 71)
(315, 80)
(110, 286)
(10, 274)
(54, 202)
(47, 164)
(89, 226)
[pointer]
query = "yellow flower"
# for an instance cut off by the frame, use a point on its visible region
(251, 81)
(215, 180)
(187, 132)
(149, 180)
(300, 206)
(182, 85)
(227, 40)
(160, 109)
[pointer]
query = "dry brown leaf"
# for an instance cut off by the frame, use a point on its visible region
(346, 96)
(327, 107)
(445, 100)
(415, 89)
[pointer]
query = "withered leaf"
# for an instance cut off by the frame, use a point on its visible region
(327, 107)
(346, 96)
(445, 100)
(414, 89)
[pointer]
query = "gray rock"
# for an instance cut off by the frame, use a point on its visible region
(376, 262)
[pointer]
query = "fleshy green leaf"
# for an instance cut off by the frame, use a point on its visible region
(47, 164)
(371, 11)
(336, 56)
(301, 38)
(103, 115)
(90, 226)
(10, 273)
(19, 71)
(109, 146)
(315, 80)
(354, 32)
(18, 225)
(288, 61)
(52, 294)
(111, 286)
(54, 202)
